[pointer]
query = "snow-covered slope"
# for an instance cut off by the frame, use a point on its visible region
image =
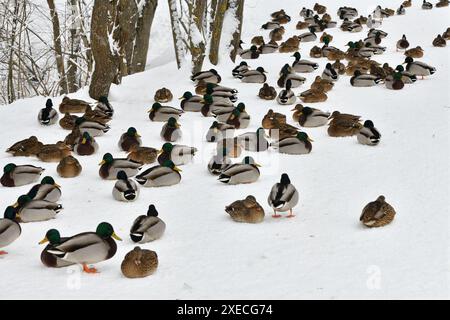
(324, 252)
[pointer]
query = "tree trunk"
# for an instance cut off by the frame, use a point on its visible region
(74, 47)
(176, 32)
(235, 43)
(198, 15)
(125, 33)
(217, 31)
(11, 91)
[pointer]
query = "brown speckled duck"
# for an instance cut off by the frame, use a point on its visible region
(139, 263)
(163, 95)
(439, 41)
(54, 152)
(344, 125)
(267, 92)
(247, 210)
(415, 53)
(273, 119)
(25, 148)
(68, 121)
(69, 167)
(73, 105)
(313, 95)
(322, 84)
(144, 155)
(377, 213)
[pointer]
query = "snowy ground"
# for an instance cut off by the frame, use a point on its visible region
(324, 252)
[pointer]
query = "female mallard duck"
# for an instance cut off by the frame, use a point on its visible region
(240, 68)
(73, 105)
(329, 73)
(219, 131)
(315, 52)
(54, 152)
(304, 66)
(343, 125)
(191, 103)
(161, 113)
(94, 128)
(104, 106)
(270, 47)
(16, 176)
(240, 173)
(163, 175)
(290, 45)
(48, 115)
(308, 36)
(178, 154)
(301, 25)
(171, 131)
(339, 67)
(273, 119)
(210, 76)
(446, 34)
(86, 145)
(144, 155)
(219, 162)
(407, 3)
(368, 134)
(247, 210)
(270, 25)
(282, 19)
(364, 80)
(252, 53)
(239, 118)
(419, 68)
(29, 210)
(283, 197)
(125, 189)
(47, 190)
(267, 92)
(394, 81)
(51, 260)
(163, 95)
(402, 44)
(427, 5)
(68, 121)
(231, 147)
(10, 230)
(332, 53)
(310, 117)
(139, 263)
(415, 53)
(26, 147)
(87, 247)
(377, 213)
(313, 96)
(442, 3)
(322, 84)
(109, 167)
(253, 76)
(439, 41)
(69, 167)
(147, 228)
(286, 96)
(129, 139)
(283, 131)
(254, 141)
(96, 115)
(299, 144)
(72, 138)
(319, 8)
(257, 40)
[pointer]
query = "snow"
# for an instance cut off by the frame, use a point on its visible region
(324, 252)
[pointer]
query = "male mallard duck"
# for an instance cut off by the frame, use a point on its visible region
(87, 247)
(68, 121)
(240, 68)
(343, 125)
(287, 73)
(239, 173)
(306, 13)
(110, 167)
(339, 67)
(415, 53)
(270, 47)
(290, 45)
(313, 96)
(178, 154)
(47, 190)
(308, 36)
(303, 65)
(347, 12)
(325, 37)
(239, 118)
(442, 3)
(267, 92)
(315, 52)
(254, 141)
(207, 76)
(16, 176)
(273, 119)
(129, 139)
(190, 102)
(286, 96)
(147, 228)
(368, 134)
(329, 73)
(86, 145)
(163, 175)
(401, 10)
(54, 152)
(373, 39)
(163, 95)
(48, 115)
(219, 162)
(144, 155)
(247, 210)
(419, 68)
(161, 113)
(394, 81)
(283, 197)
(51, 260)
(94, 128)
(73, 105)
(377, 213)
(427, 5)
(10, 230)
(171, 131)
(270, 25)
(407, 77)
(26, 147)
(104, 106)
(253, 76)
(283, 131)
(252, 53)
(29, 210)
(202, 86)
(139, 263)
(69, 167)
(125, 189)
(230, 147)
(322, 84)
(221, 96)
(218, 108)
(299, 144)
(310, 117)
(439, 41)
(364, 80)
(402, 44)
(219, 131)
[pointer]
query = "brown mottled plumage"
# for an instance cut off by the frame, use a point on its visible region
(322, 84)
(313, 95)
(315, 52)
(247, 210)
(68, 121)
(272, 120)
(267, 92)
(415, 53)
(344, 125)
(439, 41)
(144, 155)
(163, 95)
(283, 131)
(377, 213)
(69, 167)
(25, 148)
(139, 263)
(54, 152)
(290, 45)
(73, 105)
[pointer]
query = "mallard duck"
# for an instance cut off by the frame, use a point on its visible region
(329, 73)
(407, 3)
(322, 84)
(230, 147)
(241, 173)
(287, 73)
(278, 13)
(302, 25)
(94, 128)
(219, 131)
(290, 45)
(368, 134)
(16, 176)
(394, 81)
(54, 152)
(415, 53)
(129, 139)
(313, 96)
(270, 47)
(439, 41)
(48, 115)
(378, 71)
(96, 115)
(270, 25)
(47, 190)
(347, 12)
(306, 13)
(364, 80)
(361, 20)
(273, 119)
(147, 228)
(286, 96)
(104, 106)
(26, 147)
(171, 131)
(163, 95)
(299, 144)
(310, 117)
(253, 76)
(308, 36)
(139, 263)
(29, 210)
(240, 68)
(283, 131)
(442, 3)
(144, 155)
(219, 162)
(178, 154)
(202, 87)
(445, 34)
(401, 10)
(419, 68)
(10, 230)
(222, 96)
(163, 175)
(86, 145)
(72, 138)
(87, 247)
(252, 53)
(319, 8)
(68, 121)
(283, 197)
(339, 67)
(267, 92)
(303, 65)
(254, 141)
(315, 52)
(69, 167)
(343, 125)
(190, 102)
(282, 19)
(407, 77)
(333, 53)
(73, 105)
(373, 39)
(220, 107)
(125, 189)
(427, 5)
(51, 260)
(377, 213)
(239, 118)
(210, 76)
(247, 210)
(109, 167)
(403, 43)
(326, 38)
(161, 113)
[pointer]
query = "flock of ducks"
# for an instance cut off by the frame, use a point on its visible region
(87, 122)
